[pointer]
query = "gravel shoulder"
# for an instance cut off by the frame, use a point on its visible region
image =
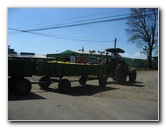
(132, 101)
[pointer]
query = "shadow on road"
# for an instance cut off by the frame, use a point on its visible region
(31, 96)
(136, 84)
(86, 90)
(128, 83)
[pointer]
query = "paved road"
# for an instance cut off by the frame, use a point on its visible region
(115, 102)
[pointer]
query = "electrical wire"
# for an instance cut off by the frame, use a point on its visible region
(69, 19)
(80, 24)
(71, 25)
(66, 38)
(80, 21)
(77, 24)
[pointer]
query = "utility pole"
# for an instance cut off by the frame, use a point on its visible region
(115, 43)
(82, 49)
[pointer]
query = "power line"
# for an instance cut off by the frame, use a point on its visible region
(69, 19)
(73, 25)
(74, 39)
(80, 24)
(124, 42)
(66, 38)
(80, 21)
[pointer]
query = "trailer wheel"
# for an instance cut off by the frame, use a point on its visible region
(132, 75)
(22, 86)
(102, 81)
(11, 83)
(82, 80)
(44, 82)
(64, 86)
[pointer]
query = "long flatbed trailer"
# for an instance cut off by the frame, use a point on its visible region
(18, 69)
(58, 69)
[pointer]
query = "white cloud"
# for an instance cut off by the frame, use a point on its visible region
(135, 55)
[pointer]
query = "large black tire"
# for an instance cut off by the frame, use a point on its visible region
(11, 83)
(64, 86)
(22, 86)
(132, 75)
(46, 82)
(102, 81)
(82, 80)
(121, 73)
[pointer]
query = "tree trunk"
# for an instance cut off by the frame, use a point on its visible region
(150, 58)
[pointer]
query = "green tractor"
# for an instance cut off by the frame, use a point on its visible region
(117, 68)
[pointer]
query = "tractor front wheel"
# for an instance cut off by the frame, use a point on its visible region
(102, 81)
(132, 75)
(121, 73)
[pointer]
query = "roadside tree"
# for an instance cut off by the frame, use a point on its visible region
(143, 30)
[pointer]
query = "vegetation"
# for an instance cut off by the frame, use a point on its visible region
(143, 30)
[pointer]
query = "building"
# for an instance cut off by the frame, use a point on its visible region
(93, 58)
(24, 55)
(11, 51)
(72, 56)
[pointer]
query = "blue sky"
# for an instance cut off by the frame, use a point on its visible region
(91, 36)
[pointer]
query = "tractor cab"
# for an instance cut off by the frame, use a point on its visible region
(114, 54)
(115, 50)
